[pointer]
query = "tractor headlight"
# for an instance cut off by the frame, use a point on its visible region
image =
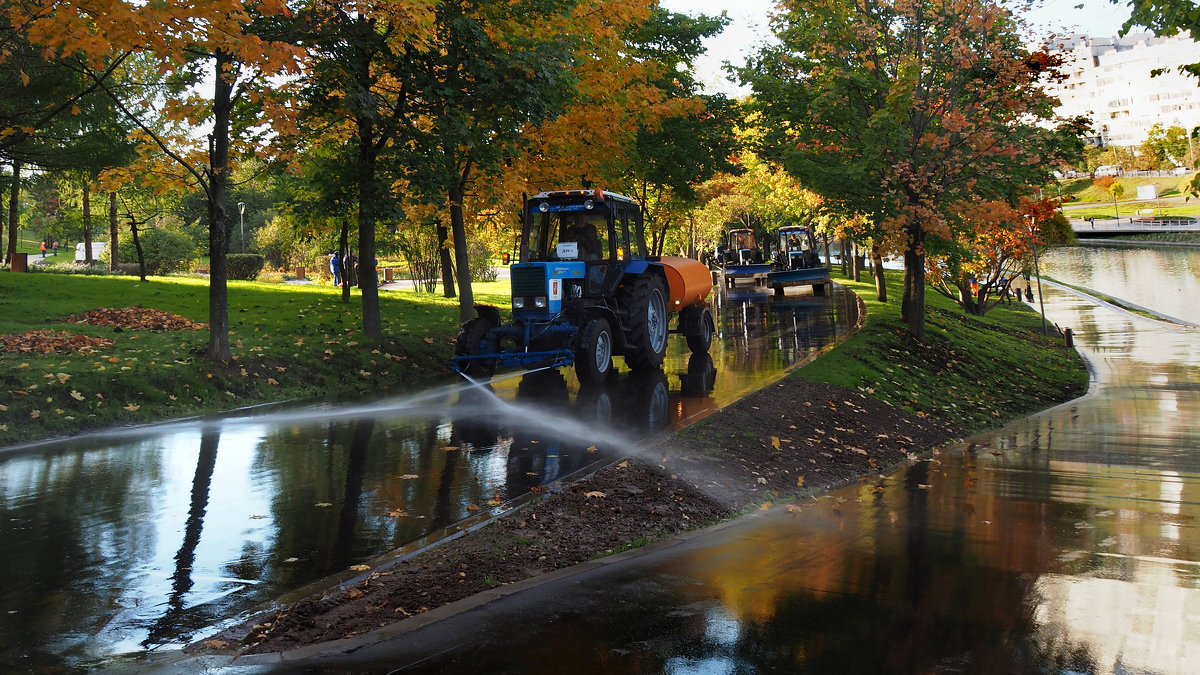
(589, 205)
(518, 303)
(543, 207)
(540, 302)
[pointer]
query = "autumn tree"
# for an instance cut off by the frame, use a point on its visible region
(229, 40)
(902, 111)
(674, 154)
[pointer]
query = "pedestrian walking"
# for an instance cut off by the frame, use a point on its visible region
(43, 248)
(335, 268)
(55, 247)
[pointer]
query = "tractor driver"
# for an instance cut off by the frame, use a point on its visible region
(584, 233)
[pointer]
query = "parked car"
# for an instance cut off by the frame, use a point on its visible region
(1107, 170)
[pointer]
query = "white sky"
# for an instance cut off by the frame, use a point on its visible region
(749, 28)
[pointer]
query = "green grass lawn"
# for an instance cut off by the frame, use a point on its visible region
(294, 341)
(976, 372)
(1084, 189)
(288, 342)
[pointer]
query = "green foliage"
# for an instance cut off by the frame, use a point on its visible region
(244, 266)
(166, 250)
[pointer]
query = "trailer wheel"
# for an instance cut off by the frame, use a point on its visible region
(700, 342)
(593, 356)
(647, 323)
(469, 337)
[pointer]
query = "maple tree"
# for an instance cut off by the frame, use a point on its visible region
(903, 111)
(228, 38)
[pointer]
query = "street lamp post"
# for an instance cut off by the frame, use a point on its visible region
(242, 223)
(1038, 272)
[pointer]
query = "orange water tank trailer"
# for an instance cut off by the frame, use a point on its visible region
(689, 281)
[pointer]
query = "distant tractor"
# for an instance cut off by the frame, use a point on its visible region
(741, 258)
(796, 263)
(585, 290)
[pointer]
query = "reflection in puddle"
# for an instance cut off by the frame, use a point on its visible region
(144, 538)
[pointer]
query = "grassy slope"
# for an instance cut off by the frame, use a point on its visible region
(289, 341)
(976, 372)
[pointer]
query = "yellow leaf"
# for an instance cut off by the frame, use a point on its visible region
(397, 513)
(323, 505)
(3, 427)
(775, 442)
(360, 568)
(76, 395)
(766, 506)
(800, 481)
(923, 486)
(409, 476)
(35, 414)
(429, 340)
(63, 377)
(591, 448)
(132, 407)
(594, 493)
(364, 373)
(3, 407)
(472, 508)
(271, 380)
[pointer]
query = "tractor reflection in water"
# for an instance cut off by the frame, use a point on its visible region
(625, 408)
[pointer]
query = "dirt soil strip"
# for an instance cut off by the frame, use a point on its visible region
(792, 439)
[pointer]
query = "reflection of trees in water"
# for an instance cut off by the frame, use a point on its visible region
(74, 527)
(169, 625)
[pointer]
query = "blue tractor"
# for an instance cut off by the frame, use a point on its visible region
(585, 290)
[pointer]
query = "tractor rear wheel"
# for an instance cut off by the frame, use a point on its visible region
(593, 356)
(469, 338)
(647, 329)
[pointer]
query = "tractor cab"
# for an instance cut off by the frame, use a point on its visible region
(583, 237)
(743, 248)
(796, 249)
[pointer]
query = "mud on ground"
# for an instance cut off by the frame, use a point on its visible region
(789, 440)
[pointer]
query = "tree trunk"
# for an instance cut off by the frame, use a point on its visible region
(137, 246)
(87, 222)
(447, 264)
(845, 257)
(462, 263)
(112, 232)
(855, 263)
(344, 258)
(825, 238)
(877, 264)
(912, 305)
(368, 199)
(14, 199)
(218, 162)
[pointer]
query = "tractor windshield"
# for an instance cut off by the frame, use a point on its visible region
(569, 235)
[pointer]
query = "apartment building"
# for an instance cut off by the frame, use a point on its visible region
(1109, 80)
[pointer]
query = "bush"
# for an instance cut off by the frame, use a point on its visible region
(481, 261)
(1103, 182)
(244, 266)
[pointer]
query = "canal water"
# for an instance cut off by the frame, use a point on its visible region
(1067, 542)
(147, 538)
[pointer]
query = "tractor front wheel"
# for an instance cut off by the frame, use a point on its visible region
(593, 356)
(647, 305)
(468, 344)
